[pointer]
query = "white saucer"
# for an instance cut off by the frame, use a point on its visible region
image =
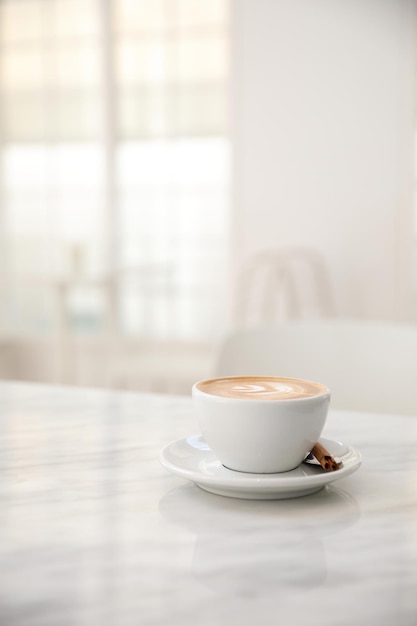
(192, 459)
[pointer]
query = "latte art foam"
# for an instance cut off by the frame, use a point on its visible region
(261, 388)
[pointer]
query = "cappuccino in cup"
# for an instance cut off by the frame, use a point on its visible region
(261, 424)
(261, 388)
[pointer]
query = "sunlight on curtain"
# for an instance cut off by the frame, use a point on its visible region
(114, 169)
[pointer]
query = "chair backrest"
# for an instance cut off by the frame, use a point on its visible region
(281, 284)
(369, 366)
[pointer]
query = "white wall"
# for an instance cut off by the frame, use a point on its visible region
(323, 121)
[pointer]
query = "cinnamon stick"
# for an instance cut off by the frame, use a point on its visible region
(328, 463)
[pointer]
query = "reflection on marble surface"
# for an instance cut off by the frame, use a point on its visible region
(268, 548)
(94, 531)
(324, 513)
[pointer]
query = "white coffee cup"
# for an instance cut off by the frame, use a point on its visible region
(261, 424)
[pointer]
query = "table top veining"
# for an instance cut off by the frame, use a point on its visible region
(95, 531)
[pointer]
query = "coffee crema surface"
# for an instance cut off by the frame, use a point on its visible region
(261, 388)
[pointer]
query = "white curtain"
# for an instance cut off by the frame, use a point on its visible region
(114, 166)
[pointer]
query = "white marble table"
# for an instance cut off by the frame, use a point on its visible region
(93, 531)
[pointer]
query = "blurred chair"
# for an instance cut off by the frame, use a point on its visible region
(369, 366)
(287, 283)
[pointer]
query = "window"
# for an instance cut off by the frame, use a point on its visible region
(114, 162)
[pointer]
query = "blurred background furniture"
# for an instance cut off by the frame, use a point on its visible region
(283, 283)
(369, 366)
